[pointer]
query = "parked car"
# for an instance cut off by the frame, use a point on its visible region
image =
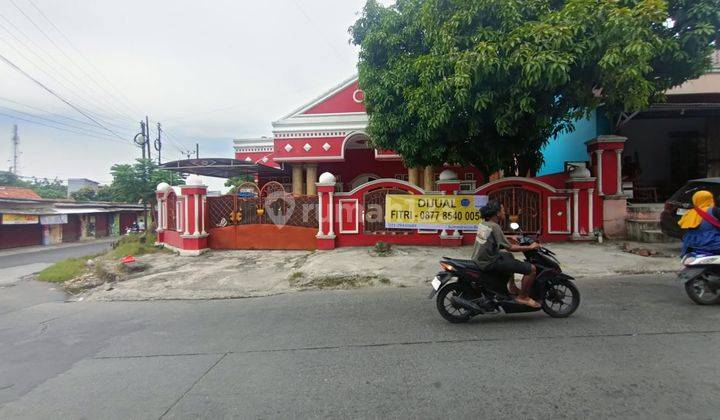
(681, 201)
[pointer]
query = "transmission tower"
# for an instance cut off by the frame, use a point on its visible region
(15, 150)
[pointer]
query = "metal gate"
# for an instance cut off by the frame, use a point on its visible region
(521, 206)
(374, 210)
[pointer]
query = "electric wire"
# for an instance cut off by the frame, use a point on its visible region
(42, 69)
(123, 99)
(84, 129)
(63, 129)
(32, 21)
(70, 104)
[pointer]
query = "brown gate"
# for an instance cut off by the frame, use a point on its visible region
(374, 210)
(269, 221)
(521, 206)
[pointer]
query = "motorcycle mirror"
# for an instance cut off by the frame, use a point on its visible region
(514, 226)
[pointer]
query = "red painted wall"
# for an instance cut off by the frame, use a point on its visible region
(360, 161)
(341, 102)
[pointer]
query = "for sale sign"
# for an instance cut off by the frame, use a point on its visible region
(428, 212)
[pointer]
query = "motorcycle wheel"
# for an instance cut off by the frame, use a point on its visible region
(448, 310)
(699, 292)
(561, 299)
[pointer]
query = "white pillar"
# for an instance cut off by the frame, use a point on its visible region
(202, 219)
(576, 214)
(159, 215)
(163, 216)
(178, 216)
(598, 163)
(331, 212)
(197, 214)
(591, 204)
(618, 154)
(187, 209)
(320, 214)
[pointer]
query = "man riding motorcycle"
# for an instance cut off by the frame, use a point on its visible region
(490, 253)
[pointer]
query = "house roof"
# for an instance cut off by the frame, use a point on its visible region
(17, 192)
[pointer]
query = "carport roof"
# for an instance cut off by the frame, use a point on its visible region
(219, 167)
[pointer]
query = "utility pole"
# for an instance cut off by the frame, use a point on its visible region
(15, 151)
(158, 143)
(141, 138)
(147, 138)
(197, 150)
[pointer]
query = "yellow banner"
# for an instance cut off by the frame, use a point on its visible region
(428, 212)
(19, 219)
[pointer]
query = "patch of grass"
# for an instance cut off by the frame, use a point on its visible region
(137, 244)
(382, 249)
(384, 280)
(295, 277)
(134, 244)
(63, 270)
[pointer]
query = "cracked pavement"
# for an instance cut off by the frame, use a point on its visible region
(637, 347)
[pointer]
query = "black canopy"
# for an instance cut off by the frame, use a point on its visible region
(219, 167)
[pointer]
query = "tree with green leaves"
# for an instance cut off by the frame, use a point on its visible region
(50, 189)
(102, 193)
(136, 183)
(488, 83)
(45, 188)
(236, 181)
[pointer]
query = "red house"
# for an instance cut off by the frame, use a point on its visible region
(319, 157)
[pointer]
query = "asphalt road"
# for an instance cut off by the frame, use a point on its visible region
(636, 348)
(18, 263)
(36, 255)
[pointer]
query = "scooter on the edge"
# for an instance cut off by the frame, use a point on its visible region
(701, 277)
(464, 291)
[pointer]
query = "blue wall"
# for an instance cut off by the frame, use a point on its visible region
(571, 146)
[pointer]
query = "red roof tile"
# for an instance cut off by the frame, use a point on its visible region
(17, 192)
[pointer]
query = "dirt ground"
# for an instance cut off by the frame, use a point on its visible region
(236, 274)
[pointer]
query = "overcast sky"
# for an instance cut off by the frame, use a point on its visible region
(208, 71)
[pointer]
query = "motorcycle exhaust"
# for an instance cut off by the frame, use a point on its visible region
(469, 305)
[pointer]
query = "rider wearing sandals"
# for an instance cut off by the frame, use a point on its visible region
(490, 253)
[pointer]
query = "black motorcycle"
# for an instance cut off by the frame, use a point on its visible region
(464, 291)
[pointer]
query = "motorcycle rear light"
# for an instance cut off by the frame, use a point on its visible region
(447, 267)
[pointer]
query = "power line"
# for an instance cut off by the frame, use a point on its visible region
(60, 128)
(84, 129)
(129, 105)
(62, 52)
(13, 65)
(86, 97)
(46, 112)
